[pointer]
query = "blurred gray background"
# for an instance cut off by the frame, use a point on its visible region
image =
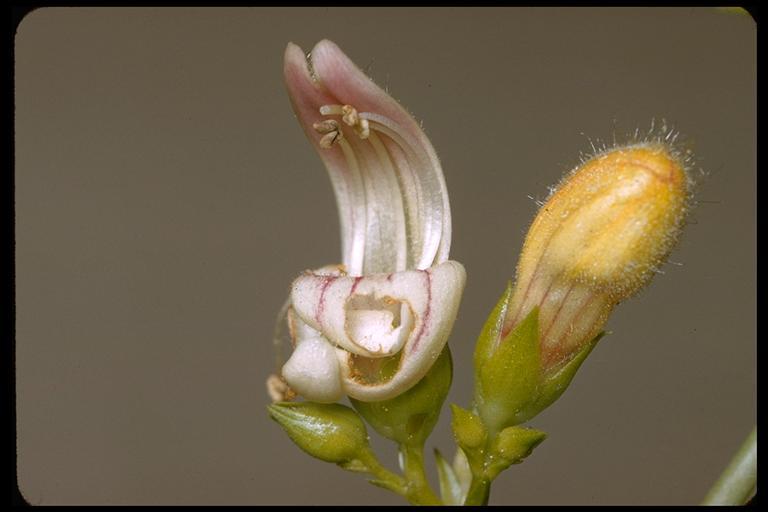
(166, 197)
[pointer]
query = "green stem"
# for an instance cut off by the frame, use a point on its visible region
(384, 477)
(480, 488)
(737, 483)
(479, 491)
(418, 490)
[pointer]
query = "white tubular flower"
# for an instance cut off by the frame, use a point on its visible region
(373, 326)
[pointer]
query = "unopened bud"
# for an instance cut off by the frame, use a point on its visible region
(468, 429)
(598, 239)
(511, 446)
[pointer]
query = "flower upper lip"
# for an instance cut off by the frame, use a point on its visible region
(390, 190)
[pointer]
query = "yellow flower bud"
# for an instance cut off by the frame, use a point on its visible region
(597, 240)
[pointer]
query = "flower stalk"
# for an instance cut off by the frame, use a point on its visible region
(418, 491)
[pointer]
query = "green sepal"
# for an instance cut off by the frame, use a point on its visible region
(410, 417)
(471, 436)
(468, 429)
(489, 335)
(509, 381)
(330, 432)
(450, 486)
(554, 384)
(511, 446)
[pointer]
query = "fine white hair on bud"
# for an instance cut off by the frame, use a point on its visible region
(598, 239)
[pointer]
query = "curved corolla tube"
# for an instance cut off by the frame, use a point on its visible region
(371, 327)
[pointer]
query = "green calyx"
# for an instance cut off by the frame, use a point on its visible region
(509, 380)
(511, 384)
(409, 418)
(555, 383)
(489, 335)
(330, 432)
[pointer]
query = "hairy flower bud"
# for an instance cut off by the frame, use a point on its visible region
(596, 241)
